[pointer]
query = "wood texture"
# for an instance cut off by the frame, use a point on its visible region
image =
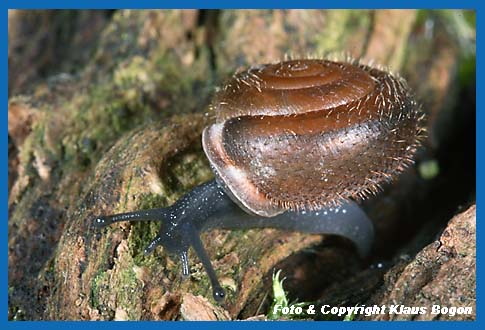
(120, 130)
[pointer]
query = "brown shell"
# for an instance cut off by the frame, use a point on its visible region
(310, 133)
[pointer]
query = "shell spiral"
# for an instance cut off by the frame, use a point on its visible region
(306, 134)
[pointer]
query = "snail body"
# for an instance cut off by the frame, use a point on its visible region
(208, 207)
(293, 144)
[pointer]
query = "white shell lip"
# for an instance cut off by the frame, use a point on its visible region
(232, 178)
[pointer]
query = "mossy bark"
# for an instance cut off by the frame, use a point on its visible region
(120, 130)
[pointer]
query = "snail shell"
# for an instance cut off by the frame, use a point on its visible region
(305, 134)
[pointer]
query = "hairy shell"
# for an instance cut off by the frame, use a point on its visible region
(305, 134)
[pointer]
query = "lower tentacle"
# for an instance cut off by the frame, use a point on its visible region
(153, 244)
(217, 290)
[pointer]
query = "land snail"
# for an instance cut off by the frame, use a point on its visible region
(294, 146)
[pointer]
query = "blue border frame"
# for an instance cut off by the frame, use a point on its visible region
(216, 4)
(90, 4)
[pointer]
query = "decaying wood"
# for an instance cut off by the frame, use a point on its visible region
(119, 130)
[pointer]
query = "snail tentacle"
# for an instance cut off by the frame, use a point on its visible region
(153, 244)
(184, 259)
(217, 291)
(208, 207)
(294, 146)
(143, 215)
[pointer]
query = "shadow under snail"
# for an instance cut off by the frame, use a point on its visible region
(293, 146)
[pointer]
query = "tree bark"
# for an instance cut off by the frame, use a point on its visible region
(120, 131)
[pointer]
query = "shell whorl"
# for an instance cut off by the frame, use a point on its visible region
(305, 134)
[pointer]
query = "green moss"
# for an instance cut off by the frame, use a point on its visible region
(138, 90)
(358, 20)
(126, 197)
(123, 282)
(186, 170)
(99, 282)
(421, 17)
(130, 287)
(33, 142)
(152, 201)
(142, 233)
(96, 117)
(96, 120)
(26, 154)
(339, 27)
(114, 106)
(98, 286)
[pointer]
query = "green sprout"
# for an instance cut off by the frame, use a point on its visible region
(280, 300)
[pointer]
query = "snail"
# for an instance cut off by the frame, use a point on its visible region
(294, 146)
